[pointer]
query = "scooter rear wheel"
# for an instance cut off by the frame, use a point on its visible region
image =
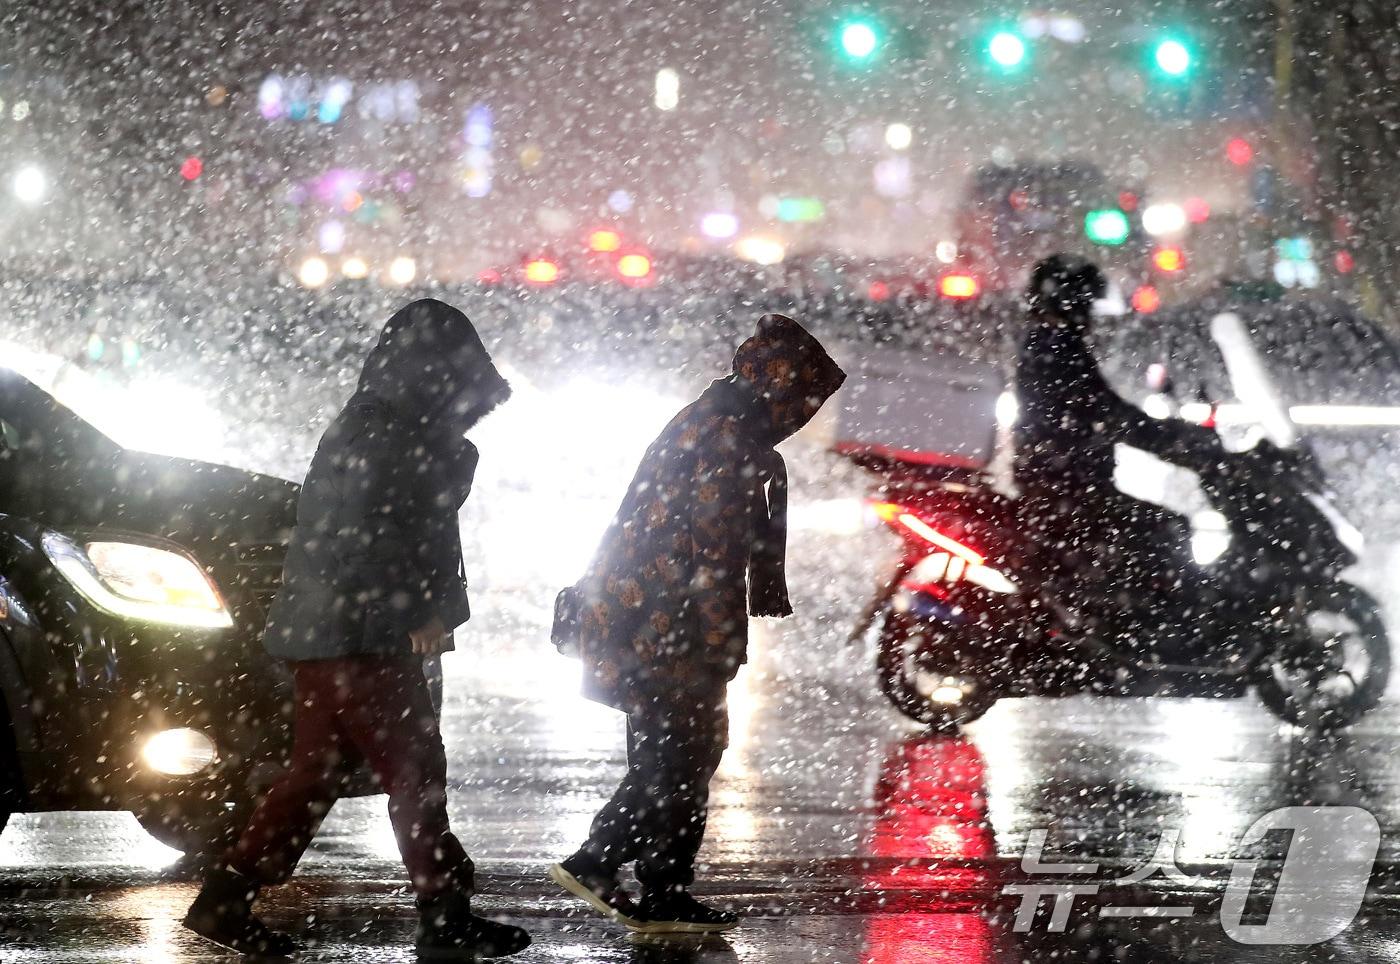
(1342, 672)
(912, 685)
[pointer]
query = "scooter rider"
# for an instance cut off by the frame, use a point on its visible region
(1069, 421)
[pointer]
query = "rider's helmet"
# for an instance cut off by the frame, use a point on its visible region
(1066, 286)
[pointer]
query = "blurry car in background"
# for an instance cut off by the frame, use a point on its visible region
(604, 257)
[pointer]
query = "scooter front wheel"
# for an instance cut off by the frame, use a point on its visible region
(1339, 667)
(934, 692)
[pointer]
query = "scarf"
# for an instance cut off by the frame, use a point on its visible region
(768, 595)
(767, 579)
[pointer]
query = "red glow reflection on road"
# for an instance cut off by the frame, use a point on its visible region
(932, 834)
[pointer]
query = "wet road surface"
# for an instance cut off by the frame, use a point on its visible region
(843, 833)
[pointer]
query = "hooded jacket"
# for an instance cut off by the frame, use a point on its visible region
(697, 545)
(376, 551)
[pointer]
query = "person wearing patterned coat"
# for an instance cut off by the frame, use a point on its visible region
(660, 620)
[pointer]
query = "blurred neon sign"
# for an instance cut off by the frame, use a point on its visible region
(301, 97)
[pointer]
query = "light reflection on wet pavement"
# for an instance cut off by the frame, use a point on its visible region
(841, 832)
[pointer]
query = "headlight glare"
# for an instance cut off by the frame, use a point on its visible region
(139, 581)
(179, 753)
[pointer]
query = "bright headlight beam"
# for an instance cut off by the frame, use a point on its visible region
(179, 753)
(30, 184)
(139, 582)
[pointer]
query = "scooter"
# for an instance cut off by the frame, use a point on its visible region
(974, 611)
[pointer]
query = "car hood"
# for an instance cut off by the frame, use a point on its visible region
(193, 503)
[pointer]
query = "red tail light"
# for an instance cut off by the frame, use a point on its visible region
(634, 266)
(604, 240)
(958, 286)
(1169, 260)
(944, 560)
(902, 518)
(1146, 300)
(541, 271)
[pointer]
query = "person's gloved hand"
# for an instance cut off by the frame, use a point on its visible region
(429, 639)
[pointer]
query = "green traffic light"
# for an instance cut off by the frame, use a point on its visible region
(1107, 226)
(1006, 49)
(859, 39)
(1172, 58)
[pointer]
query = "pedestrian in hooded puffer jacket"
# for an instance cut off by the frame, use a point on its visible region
(373, 583)
(661, 618)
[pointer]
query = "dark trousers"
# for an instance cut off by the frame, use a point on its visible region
(371, 709)
(657, 816)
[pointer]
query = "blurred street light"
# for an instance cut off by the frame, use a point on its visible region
(899, 136)
(719, 224)
(859, 39)
(1239, 151)
(402, 270)
(801, 209)
(1166, 218)
(668, 89)
(30, 184)
(1107, 226)
(761, 250)
(354, 268)
(1172, 58)
(314, 272)
(1006, 49)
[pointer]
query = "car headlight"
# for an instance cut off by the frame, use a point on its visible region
(139, 581)
(179, 753)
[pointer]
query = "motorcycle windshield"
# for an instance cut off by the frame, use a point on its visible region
(1249, 377)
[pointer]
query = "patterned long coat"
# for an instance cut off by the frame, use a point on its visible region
(664, 611)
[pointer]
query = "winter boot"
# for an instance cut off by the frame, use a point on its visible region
(223, 914)
(449, 931)
(674, 911)
(588, 882)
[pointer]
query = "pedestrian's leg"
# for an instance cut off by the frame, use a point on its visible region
(286, 819)
(681, 753)
(281, 827)
(682, 758)
(388, 717)
(614, 838)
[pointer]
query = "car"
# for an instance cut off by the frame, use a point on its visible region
(606, 259)
(133, 593)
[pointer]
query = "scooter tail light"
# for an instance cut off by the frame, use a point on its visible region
(907, 523)
(952, 561)
(939, 569)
